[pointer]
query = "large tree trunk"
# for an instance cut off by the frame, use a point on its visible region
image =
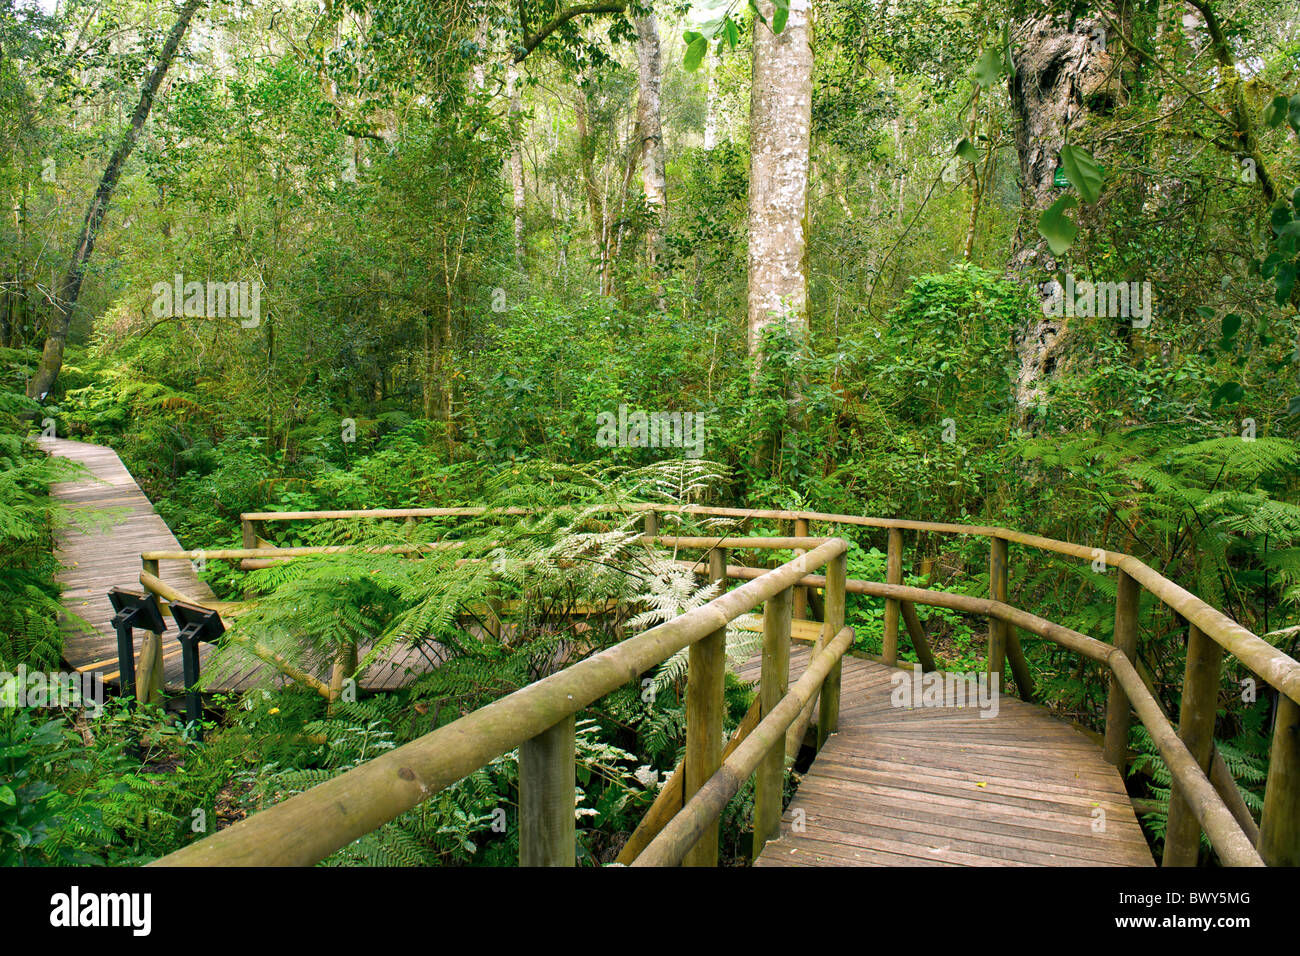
(650, 76)
(70, 288)
(1056, 68)
(710, 102)
(517, 191)
(595, 196)
(780, 116)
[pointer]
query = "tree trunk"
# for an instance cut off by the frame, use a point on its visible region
(595, 197)
(649, 77)
(780, 117)
(70, 288)
(1053, 67)
(969, 245)
(710, 102)
(518, 193)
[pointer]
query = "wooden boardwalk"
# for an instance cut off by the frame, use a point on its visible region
(100, 549)
(943, 786)
(922, 786)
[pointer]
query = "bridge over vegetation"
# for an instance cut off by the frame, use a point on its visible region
(946, 777)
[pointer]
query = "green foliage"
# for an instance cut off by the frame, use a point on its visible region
(420, 345)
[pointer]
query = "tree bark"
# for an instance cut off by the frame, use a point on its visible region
(710, 102)
(1055, 66)
(649, 124)
(70, 288)
(595, 197)
(518, 193)
(968, 247)
(780, 119)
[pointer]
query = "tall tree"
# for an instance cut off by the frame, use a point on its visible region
(1054, 65)
(69, 291)
(518, 195)
(650, 127)
(780, 117)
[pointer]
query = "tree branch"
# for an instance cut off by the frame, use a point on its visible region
(1240, 117)
(532, 41)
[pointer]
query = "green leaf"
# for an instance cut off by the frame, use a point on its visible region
(1230, 392)
(1276, 111)
(1279, 216)
(7, 796)
(967, 151)
(1294, 408)
(733, 33)
(695, 51)
(989, 67)
(1284, 279)
(1230, 326)
(780, 16)
(1083, 171)
(1057, 228)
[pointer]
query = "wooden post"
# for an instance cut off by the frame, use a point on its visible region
(149, 666)
(1016, 658)
(893, 575)
(1196, 728)
(920, 642)
(249, 531)
(651, 524)
(1119, 713)
(547, 833)
(345, 665)
(828, 707)
(998, 592)
(769, 778)
(800, 612)
(1279, 827)
(705, 683)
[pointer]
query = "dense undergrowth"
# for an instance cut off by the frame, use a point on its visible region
(420, 344)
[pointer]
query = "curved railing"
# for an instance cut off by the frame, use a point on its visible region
(538, 720)
(1203, 795)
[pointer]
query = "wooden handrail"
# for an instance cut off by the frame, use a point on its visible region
(233, 554)
(308, 827)
(1278, 831)
(673, 842)
(1225, 832)
(1266, 661)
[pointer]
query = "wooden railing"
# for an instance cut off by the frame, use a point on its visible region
(538, 720)
(1204, 797)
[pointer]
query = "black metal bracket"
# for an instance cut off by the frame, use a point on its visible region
(132, 610)
(196, 624)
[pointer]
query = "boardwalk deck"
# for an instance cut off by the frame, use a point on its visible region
(103, 551)
(943, 786)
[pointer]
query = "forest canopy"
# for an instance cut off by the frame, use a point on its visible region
(1018, 263)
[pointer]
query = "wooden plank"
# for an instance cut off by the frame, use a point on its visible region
(928, 786)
